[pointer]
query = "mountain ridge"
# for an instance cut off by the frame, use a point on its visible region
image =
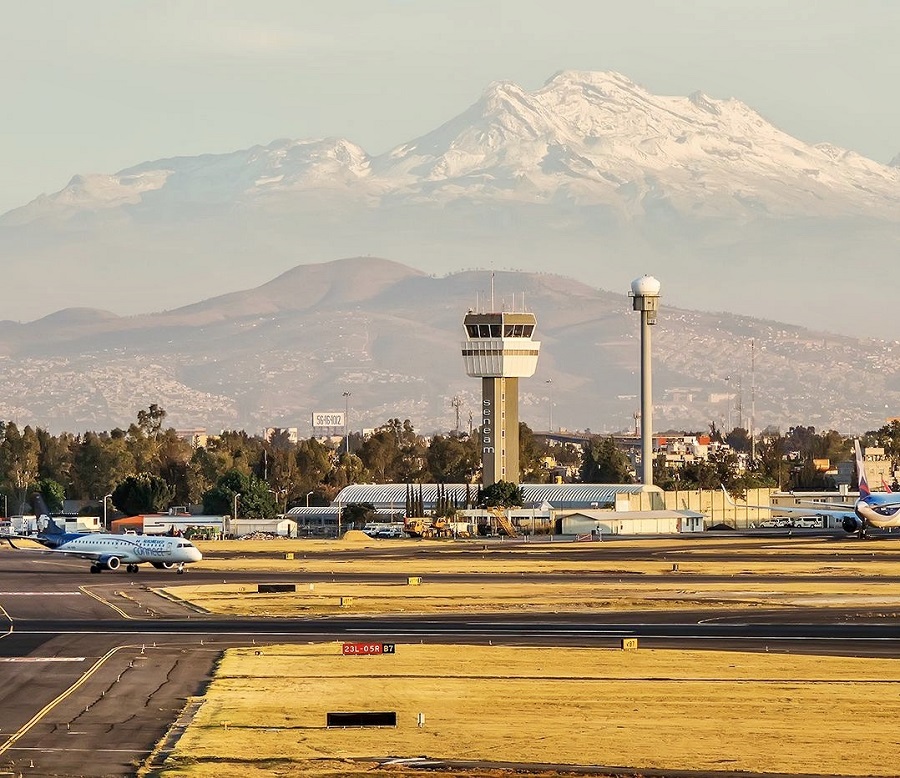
(394, 344)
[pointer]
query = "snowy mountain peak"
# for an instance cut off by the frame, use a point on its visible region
(895, 162)
(584, 138)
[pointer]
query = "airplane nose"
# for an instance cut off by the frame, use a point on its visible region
(195, 554)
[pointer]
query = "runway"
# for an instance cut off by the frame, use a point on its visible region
(92, 678)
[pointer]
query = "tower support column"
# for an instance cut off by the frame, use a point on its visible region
(500, 430)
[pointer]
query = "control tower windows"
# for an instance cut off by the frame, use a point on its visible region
(495, 330)
(507, 330)
(472, 329)
(484, 331)
(529, 329)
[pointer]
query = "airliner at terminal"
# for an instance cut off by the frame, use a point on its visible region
(875, 509)
(110, 552)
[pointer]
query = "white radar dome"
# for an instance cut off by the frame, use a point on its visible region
(645, 286)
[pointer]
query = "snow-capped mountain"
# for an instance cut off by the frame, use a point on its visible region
(591, 175)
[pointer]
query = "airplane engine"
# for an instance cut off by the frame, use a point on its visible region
(851, 524)
(110, 562)
(163, 565)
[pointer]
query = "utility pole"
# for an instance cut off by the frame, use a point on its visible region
(549, 383)
(347, 420)
(752, 398)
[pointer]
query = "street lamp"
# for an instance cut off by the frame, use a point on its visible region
(307, 498)
(347, 420)
(549, 383)
(234, 512)
(277, 492)
(105, 498)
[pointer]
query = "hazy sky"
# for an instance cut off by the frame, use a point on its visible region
(98, 85)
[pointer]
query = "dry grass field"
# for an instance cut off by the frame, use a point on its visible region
(264, 714)
(746, 559)
(325, 598)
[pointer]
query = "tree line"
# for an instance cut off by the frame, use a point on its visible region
(148, 468)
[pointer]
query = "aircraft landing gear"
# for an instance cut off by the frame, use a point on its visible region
(180, 569)
(96, 568)
(131, 568)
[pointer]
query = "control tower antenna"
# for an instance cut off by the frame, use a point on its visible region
(499, 350)
(492, 293)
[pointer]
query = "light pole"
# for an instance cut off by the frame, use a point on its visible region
(234, 512)
(347, 420)
(307, 498)
(728, 400)
(105, 498)
(549, 383)
(278, 492)
(645, 291)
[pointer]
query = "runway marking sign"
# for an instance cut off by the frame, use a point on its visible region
(367, 649)
(42, 659)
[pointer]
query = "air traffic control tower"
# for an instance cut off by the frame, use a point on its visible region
(499, 350)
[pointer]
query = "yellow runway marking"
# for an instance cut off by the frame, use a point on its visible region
(53, 703)
(9, 619)
(99, 599)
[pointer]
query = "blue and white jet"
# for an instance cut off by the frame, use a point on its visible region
(110, 552)
(871, 509)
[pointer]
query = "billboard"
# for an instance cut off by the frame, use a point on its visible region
(328, 419)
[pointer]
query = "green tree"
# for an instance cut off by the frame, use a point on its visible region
(452, 459)
(531, 455)
(99, 463)
(53, 493)
(502, 494)
(19, 455)
(356, 514)
(142, 493)
(150, 421)
(604, 463)
(256, 501)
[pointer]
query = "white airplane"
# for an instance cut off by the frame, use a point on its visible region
(110, 552)
(878, 509)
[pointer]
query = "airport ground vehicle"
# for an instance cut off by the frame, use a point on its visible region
(428, 528)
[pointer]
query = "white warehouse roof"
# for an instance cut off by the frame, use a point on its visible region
(557, 495)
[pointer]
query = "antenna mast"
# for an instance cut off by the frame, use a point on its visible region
(455, 403)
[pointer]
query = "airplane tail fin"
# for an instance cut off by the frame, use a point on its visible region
(40, 508)
(864, 490)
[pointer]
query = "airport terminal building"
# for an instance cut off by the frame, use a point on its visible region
(547, 508)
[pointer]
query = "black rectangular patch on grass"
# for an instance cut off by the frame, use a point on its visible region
(273, 588)
(363, 719)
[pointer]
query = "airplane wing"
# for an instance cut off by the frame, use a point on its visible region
(803, 508)
(41, 549)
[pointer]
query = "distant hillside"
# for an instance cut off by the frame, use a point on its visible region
(391, 336)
